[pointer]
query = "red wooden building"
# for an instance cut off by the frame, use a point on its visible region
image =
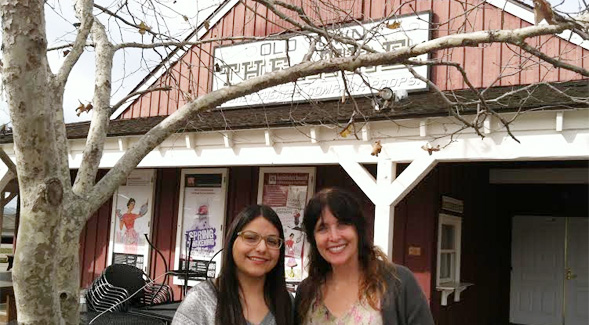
(495, 230)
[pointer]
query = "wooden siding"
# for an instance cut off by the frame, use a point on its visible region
(486, 227)
(495, 64)
(242, 191)
(94, 240)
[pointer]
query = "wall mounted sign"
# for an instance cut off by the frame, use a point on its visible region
(453, 205)
(131, 220)
(201, 220)
(287, 191)
(244, 61)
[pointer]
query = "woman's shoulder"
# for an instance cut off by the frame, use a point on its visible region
(402, 271)
(200, 304)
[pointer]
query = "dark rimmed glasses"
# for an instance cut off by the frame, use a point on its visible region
(252, 238)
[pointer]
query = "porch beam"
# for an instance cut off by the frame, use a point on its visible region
(409, 178)
(386, 191)
(362, 178)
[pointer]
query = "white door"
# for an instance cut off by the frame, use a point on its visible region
(577, 272)
(537, 275)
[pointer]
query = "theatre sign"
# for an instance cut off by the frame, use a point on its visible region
(235, 63)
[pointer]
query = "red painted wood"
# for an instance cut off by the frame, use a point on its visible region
(473, 56)
(94, 240)
(491, 60)
(242, 190)
(439, 74)
(88, 270)
(393, 8)
(420, 231)
(174, 94)
(102, 237)
(421, 6)
(146, 105)
(377, 9)
(407, 7)
(239, 20)
(260, 21)
(165, 224)
(530, 64)
(458, 25)
(228, 21)
(550, 45)
(510, 59)
(249, 26)
(570, 53)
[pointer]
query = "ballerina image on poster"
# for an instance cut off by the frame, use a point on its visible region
(130, 236)
(290, 253)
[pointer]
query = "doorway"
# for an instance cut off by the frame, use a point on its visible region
(549, 275)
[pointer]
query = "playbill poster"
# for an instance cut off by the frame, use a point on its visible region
(287, 192)
(202, 216)
(132, 211)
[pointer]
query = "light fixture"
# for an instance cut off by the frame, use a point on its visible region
(383, 99)
(386, 96)
(386, 93)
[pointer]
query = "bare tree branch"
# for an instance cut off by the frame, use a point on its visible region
(84, 13)
(100, 118)
(556, 63)
(7, 161)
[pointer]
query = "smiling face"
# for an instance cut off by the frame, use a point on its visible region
(255, 261)
(336, 242)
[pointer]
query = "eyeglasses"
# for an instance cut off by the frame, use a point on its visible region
(253, 238)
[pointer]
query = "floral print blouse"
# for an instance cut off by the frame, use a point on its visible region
(361, 313)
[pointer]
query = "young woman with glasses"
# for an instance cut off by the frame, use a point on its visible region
(350, 280)
(251, 288)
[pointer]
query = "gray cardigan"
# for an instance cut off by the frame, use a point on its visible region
(200, 305)
(404, 305)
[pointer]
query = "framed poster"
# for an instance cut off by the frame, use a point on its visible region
(287, 190)
(132, 211)
(201, 221)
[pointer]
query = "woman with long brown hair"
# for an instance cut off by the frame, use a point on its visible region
(350, 280)
(251, 288)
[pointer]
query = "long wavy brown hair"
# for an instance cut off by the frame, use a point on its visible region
(375, 265)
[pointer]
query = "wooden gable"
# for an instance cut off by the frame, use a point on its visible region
(190, 76)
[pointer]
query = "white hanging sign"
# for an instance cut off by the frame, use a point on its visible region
(236, 63)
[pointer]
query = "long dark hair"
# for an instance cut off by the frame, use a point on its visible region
(346, 209)
(277, 298)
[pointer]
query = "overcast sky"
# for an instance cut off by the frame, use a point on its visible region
(132, 65)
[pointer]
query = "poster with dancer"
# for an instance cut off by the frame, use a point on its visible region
(201, 220)
(287, 190)
(131, 219)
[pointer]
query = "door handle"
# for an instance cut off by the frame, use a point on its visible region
(569, 274)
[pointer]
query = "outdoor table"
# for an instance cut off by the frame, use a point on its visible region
(159, 314)
(164, 312)
(118, 318)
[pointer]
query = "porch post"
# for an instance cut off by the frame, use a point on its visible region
(386, 191)
(384, 211)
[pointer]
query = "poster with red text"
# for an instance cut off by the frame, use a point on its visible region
(287, 190)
